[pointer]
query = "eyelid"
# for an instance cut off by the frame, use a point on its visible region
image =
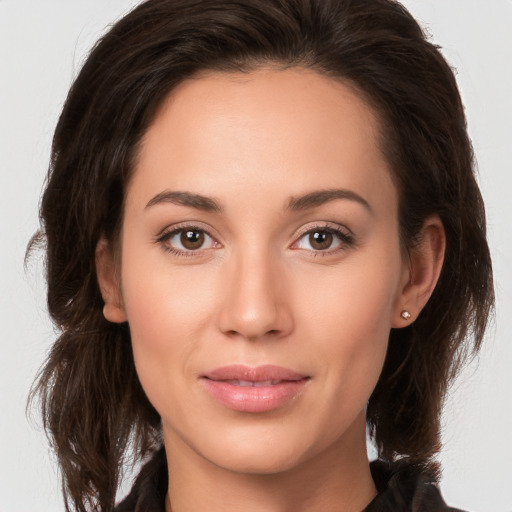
(187, 224)
(323, 225)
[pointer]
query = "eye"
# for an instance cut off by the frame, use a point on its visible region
(324, 239)
(187, 240)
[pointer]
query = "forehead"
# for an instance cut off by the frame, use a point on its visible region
(275, 130)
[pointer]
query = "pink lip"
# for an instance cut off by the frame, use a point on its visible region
(262, 389)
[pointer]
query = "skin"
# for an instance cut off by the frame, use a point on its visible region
(258, 291)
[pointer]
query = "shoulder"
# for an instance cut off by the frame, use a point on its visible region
(403, 488)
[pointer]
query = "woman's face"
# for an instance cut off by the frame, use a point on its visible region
(261, 268)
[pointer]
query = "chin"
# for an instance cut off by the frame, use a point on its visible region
(253, 447)
(258, 460)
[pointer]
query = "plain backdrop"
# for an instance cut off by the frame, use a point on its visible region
(43, 43)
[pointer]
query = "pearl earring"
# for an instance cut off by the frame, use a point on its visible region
(405, 315)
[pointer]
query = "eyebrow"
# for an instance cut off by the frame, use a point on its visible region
(320, 197)
(305, 202)
(197, 201)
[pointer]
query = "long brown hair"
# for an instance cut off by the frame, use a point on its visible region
(92, 402)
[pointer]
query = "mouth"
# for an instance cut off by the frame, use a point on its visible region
(254, 389)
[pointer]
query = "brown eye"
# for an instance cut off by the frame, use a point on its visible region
(187, 241)
(192, 240)
(324, 240)
(320, 240)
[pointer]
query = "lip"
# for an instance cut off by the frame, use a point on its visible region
(254, 389)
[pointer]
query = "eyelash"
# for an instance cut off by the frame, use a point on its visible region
(346, 240)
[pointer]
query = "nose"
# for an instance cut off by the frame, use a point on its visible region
(255, 301)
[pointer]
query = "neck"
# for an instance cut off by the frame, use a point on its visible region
(338, 479)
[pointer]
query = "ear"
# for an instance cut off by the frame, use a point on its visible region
(421, 272)
(108, 282)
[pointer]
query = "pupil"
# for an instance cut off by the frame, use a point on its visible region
(320, 239)
(192, 239)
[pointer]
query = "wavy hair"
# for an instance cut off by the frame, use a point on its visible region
(92, 402)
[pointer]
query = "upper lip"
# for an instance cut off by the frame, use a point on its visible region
(262, 373)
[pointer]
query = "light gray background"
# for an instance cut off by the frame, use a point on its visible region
(42, 43)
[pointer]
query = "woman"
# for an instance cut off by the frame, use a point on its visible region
(270, 238)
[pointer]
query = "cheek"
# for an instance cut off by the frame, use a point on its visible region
(167, 312)
(162, 300)
(354, 300)
(349, 315)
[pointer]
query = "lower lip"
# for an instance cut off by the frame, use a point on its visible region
(254, 399)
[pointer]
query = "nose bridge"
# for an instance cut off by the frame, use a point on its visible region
(255, 302)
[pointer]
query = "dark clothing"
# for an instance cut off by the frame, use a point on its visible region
(399, 488)
(403, 490)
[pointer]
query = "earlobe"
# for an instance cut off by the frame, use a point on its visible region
(424, 268)
(113, 310)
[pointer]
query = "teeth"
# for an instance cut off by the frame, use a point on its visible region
(244, 383)
(264, 383)
(250, 383)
